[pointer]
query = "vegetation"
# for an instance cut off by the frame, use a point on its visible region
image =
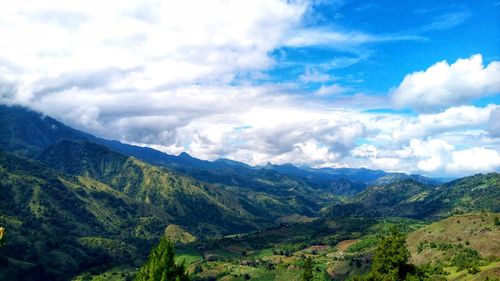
(178, 235)
(161, 265)
(82, 208)
(390, 259)
(307, 275)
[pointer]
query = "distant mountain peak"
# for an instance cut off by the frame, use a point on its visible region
(184, 155)
(231, 162)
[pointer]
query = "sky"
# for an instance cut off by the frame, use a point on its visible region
(407, 86)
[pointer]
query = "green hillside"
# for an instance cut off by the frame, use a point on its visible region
(50, 217)
(462, 244)
(409, 198)
(81, 207)
(213, 205)
(198, 206)
(26, 132)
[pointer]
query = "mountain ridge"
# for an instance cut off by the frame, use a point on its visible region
(29, 132)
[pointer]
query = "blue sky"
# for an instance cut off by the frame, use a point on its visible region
(435, 31)
(410, 86)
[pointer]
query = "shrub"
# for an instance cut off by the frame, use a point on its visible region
(466, 259)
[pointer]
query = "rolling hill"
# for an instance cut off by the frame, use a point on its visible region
(472, 238)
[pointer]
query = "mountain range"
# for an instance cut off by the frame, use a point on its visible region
(67, 196)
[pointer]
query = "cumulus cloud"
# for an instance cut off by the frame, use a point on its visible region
(338, 136)
(443, 85)
(365, 151)
(454, 118)
(172, 75)
(149, 43)
(432, 154)
(474, 160)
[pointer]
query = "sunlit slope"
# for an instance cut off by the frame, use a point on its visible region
(45, 214)
(190, 203)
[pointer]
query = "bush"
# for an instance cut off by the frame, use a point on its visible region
(466, 259)
(474, 270)
(420, 247)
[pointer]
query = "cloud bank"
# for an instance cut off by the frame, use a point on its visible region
(180, 76)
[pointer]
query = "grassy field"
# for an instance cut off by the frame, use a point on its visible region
(491, 271)
(188, 256)
(119, 273)
(475, 230)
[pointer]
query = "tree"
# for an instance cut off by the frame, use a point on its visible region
(161, 265)
(390, 260)
(307, 274)
(391, 256)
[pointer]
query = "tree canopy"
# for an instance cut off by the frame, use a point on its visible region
(307, 274)
(390, 259)
(161, 265)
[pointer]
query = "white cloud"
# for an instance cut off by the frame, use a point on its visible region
(447, 21)
(304, 141)
(365, 151)
(388, 164)
(315, 76)
(474, 160)
(432, 154)
(167, 74)
(494, 124)
(327, 90)
(314, 37)
(454, 118)
(443, 85)
(151, 43)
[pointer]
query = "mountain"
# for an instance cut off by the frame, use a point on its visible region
(277, 194)
(51, 218)
(28, 133)
(374, 177)
(74, 203)
(192, 204)
(468, 194)
(269, 192)
(413, 199)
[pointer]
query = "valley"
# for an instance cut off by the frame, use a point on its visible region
(78, 207)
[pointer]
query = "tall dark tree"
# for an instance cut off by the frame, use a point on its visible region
(161, 265)
(391, 256)
(390, 259)
(307, 274)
